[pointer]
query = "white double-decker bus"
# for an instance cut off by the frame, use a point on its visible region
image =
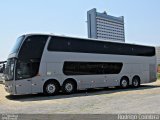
(45, 63)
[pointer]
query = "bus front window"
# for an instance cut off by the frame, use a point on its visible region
(9, 71)
(17, 45)
(27, 69)
(23, 70)
(29, 56)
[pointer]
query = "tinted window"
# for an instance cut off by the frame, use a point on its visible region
(23, 70)
(91, 68)
(32, 47)
(29, 56)
(17, 45)
(62, 44)
(26, 69)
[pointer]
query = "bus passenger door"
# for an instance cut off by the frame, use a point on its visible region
(23, 86)
(23, 77)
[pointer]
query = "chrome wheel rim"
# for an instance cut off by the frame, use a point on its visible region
(124, 83)
(51, 88)
(69, 87)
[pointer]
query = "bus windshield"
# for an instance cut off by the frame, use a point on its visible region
(9, 71)
(29, 56)
(18, 44)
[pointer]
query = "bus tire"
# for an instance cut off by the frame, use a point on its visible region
(124, 83)
(51, 88)
(135, 82)
(69, 87)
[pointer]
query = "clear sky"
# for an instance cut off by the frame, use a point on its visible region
(68, 17)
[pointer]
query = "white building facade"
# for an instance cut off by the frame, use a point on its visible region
(158, 54)
(103, 26)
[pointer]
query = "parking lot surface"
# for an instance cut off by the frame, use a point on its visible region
(97, 101)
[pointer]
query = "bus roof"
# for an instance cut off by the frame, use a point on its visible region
(93, 39)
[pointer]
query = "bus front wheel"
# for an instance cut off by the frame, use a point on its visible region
(51, 88)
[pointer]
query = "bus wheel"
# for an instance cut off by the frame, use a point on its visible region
(51, 88)
(124, 83)
(69, 87)
(136, 82)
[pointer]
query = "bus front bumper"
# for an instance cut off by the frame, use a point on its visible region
(10, 88)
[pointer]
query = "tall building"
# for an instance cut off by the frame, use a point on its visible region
(104, 26)
(158, 54)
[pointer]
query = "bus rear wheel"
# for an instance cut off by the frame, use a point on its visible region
(135, 82)
(51, 88)
(69, 87)
(124, 83)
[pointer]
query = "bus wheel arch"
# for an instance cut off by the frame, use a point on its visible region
(69, 86)
(51, 87)
(136, 81)
(124, 82)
